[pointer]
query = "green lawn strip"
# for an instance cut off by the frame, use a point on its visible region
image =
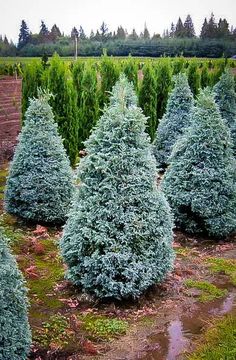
(218, 342)
(221, 265)
(209, 291)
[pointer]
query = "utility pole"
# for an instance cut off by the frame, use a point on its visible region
(76, 47)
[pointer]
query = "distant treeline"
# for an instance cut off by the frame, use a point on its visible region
(216, 39)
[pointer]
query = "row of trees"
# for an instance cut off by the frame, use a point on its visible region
(81, 89)
(120, 42)
(210, 30)
(117, 240)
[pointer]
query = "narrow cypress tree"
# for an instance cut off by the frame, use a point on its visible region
(32, 80)
(64, 105)
(15, 334)
(40, 183)
(164, 77)
(117, 240)
(205, 79)
(194, 77)
(130, 70)
(175, 120)
(88, 112)
(109, 73)
(200, 183)
(225, 97)
(148, 98)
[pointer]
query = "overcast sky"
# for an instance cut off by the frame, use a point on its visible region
(158, 14)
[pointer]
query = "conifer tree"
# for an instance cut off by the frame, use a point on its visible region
(89, 109)
(148, 98)
(117, 240)
(64, 104)
(24, 35)
(109, 72)
(15, 334)
(179, 29)
(130, 70)
(164, 78)
(32, 80)
(189, 31)
(225, 97)
(40, 182)
(175, 120)
(205, 79)
(200, 181)
(194, 77)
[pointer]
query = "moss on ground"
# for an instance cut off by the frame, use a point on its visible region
(103, 328)
(225, 266)
(209, 291)
(218, 342)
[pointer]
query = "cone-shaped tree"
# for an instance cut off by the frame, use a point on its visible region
(117, 240)
(175, 120)
(200, 182)
(148, 98)
(40, 182)
(225, 97)
(15, 334)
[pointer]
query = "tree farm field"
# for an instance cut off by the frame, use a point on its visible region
(106, 139)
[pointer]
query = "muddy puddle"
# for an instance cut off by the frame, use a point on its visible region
(180, 332)
(170, 337)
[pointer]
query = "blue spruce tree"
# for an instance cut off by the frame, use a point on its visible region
(175, 120)
(200, 182)
(117, 240)
(15, 334)
(225, 97)
(40, 182)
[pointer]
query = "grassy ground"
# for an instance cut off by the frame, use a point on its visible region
(218, 342)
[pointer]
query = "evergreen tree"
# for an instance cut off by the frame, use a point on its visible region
(225, 97)
(103, 31)
(164, 77)
(172, 30)
(133, 35)
(77, 74)
(130, 70)
(148, 98)
(39, 185)
(146, 34)
(109, 75)
(200, 182)
(55, 32)
(74, 33)
(175, 120)
(91, 36)
(205, 79)
(194, 77)
(117, 241)
(179, 29)
(204, 30)
(223, 28)
(82, 35)
(15, 334)
(44, 33)
(64, 104)
(88, 112)
(121, 35)
(189, 31)
(6, 42)
(32, 80)
(24, 35)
